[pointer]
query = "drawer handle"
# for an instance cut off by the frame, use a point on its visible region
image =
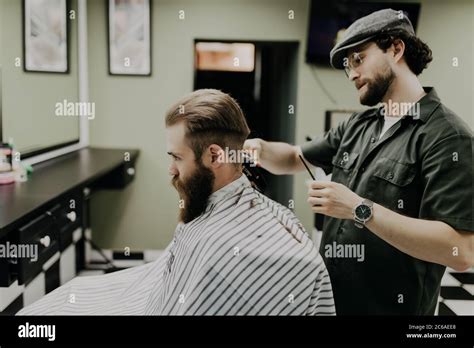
(46, 241)
(131, 171)
(72, 216)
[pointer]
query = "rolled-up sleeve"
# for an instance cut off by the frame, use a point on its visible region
(320, 151)
(447, 175)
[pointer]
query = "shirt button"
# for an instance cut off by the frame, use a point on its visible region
(362, 169)
(390, 175)
(372, 140)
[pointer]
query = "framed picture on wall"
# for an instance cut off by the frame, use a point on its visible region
(45, 36)
(129, 29)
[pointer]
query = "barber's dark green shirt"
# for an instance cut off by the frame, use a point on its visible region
(421, 167)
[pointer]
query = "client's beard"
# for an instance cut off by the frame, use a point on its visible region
(377, 88)
(195, 192)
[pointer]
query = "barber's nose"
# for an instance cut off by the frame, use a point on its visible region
(353, 75)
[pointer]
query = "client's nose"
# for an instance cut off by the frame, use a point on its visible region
(172, 170)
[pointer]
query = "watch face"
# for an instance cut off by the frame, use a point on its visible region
(363, 212)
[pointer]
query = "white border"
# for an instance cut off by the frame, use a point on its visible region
(83, 89)
(83, 68)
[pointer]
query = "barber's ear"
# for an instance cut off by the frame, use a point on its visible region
(398, 49)
(216, 155)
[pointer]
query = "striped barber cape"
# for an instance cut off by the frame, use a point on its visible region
(245, 255)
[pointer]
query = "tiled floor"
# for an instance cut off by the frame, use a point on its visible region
(457, 293)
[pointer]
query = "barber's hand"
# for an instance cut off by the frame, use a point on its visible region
(254, 148)
(332, 199)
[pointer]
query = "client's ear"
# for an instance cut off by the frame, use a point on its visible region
(216, 156)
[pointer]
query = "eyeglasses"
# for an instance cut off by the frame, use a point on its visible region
(352, 62)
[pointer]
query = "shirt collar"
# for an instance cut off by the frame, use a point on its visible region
(428, 104)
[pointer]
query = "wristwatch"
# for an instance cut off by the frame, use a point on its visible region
(363, 212)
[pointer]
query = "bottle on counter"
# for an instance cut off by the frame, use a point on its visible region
(7, 175)
(6, 153)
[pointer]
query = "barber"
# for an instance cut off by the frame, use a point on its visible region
(402, 182)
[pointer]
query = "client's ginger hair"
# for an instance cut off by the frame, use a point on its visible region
(211, 117)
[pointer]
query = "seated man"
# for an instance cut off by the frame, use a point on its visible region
(234, 252)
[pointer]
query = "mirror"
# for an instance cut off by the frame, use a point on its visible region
(34, 108)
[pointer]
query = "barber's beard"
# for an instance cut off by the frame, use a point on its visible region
(195, 191)
(377, 88)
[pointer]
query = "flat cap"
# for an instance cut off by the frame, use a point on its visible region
(366, 28)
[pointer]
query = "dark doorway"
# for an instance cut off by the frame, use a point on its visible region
(266, 91)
